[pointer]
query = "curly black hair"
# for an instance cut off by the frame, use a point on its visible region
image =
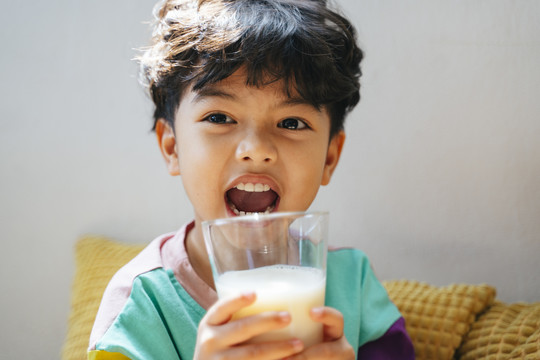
(309, 46)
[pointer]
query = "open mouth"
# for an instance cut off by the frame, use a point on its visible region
(249, 198)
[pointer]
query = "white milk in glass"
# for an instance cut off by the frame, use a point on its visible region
(280, 288)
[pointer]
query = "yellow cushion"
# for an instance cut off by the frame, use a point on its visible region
(96, 260)
(437, 318)
(504, 332)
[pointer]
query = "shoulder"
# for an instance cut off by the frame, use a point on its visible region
(344, 253)
(353, 289)
(147, 260)
(119, 288)
(346, 270)
(347, 262)
(142, 329)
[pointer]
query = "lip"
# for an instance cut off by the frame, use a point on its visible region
(252, 178)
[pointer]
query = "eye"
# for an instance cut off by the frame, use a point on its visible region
(292, 124)
(219, 118)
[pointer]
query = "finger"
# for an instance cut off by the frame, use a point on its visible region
(223, 310)
(265, 351)
(241, 330)
(332, 320)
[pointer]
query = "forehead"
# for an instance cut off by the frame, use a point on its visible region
(281, 90)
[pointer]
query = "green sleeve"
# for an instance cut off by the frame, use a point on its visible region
(353, 289)
(159, 320)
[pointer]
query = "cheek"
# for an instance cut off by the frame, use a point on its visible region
(306, 172)
(193, 150)
(310, 163)
(201, 163)
(192, 165)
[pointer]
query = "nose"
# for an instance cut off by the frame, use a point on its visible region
(256, 146)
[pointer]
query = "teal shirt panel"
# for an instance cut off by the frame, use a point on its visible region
(353, 289)
(160, 319)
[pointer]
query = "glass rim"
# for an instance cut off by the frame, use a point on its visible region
(262, 217)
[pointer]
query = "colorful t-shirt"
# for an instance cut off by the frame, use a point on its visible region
(153, 305)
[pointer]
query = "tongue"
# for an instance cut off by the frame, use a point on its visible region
(251, 201)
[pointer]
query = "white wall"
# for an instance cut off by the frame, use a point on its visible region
(439, 181)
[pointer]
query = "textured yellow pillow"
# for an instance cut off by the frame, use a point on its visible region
(96, 260)
(504, 332)
(437, 318)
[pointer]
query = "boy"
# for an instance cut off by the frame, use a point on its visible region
(250, 100)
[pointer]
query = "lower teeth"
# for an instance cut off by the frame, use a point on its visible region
(242, 213)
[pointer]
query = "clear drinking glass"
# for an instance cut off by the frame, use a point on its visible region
(279, 256)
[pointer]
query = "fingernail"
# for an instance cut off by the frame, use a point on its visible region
(248, 295)
(297, 344)
(317, 311)
(284, 316)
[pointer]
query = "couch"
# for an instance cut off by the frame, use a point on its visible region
(459, 321)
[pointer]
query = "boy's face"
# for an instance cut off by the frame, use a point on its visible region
(242, 149)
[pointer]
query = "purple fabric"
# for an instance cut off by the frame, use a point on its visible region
(394, 344)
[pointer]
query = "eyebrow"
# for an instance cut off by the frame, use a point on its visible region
(212, 91)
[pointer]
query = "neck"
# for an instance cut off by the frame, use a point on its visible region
(198, 256)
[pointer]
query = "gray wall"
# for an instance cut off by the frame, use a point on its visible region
(439, 181)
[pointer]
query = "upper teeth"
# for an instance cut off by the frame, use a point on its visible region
(250, 187)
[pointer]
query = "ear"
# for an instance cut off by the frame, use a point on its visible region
(167, 145)
(332, 156)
